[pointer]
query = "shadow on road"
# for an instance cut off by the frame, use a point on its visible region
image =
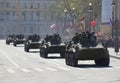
(53, 57)
(91, 66)
(33, 52)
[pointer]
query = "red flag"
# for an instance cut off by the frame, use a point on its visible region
(93, 23)
(53, 26)
(119, 24)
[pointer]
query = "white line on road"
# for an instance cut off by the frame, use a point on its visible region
(38, 69)
(25, 70)
(15, 64)
(51, 69)
(10, 71)
(63, 68)
(117, 67)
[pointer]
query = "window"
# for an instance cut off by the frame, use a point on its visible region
(45, 5)
(38, 14)
(24, 15)
(7, 4)
(24, 29)
(8, 13)
(32, 16)
(31, 29)
(13, 5)
(31, 5)
(1, 4)
(13, 13)
(25, 6)
(38, 5)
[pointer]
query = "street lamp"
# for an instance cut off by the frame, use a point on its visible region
(65, 15)
(90, 11)
(115, 28)
(113, 18)
(73, 17)
(64, 19)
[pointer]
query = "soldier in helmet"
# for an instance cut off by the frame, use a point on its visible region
(76, 38)
(93, 39)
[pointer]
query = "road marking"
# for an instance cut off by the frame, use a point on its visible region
(49, 61)
(51, 69)
(1, 72)
(117, 67)
(16, 65)
(10, 71)
(25, 70)
(63, 68)
(38, 69)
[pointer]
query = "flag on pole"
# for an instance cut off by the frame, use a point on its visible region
(53, 26)
(83, 24)
(111, 22)
(71, 24)
(75, 24)
(93, 23)
(119, 24)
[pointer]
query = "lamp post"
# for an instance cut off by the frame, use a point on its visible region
(64, 19)
(115, 28)
(113, 18)
(73, 16)
(90, 11)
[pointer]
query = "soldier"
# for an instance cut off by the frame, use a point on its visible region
(47, 38)
(93, 39)
(76, 38)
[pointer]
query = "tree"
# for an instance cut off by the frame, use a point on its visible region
(81, 7)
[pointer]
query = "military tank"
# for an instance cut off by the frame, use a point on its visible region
(52, 44)
(10, 39)
(32, 42)
(85, 47)
(19, 39)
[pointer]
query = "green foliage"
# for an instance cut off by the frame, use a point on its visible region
(81, 7)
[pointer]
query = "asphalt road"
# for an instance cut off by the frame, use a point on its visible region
(17, 66)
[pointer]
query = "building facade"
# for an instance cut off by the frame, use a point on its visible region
(25, 17)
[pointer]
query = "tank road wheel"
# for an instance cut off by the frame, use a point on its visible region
(14, 44)
(40, 52)
(26, 48)
(62, 55)
(103, 62)
(7, 43)
(67, 58)
(73, 61)
(43, 53)
(70, 59)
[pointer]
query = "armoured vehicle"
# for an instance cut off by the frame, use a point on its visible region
(84, 47)
(32, 42)
(52, 44)
(10, 39)
(19, 39)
